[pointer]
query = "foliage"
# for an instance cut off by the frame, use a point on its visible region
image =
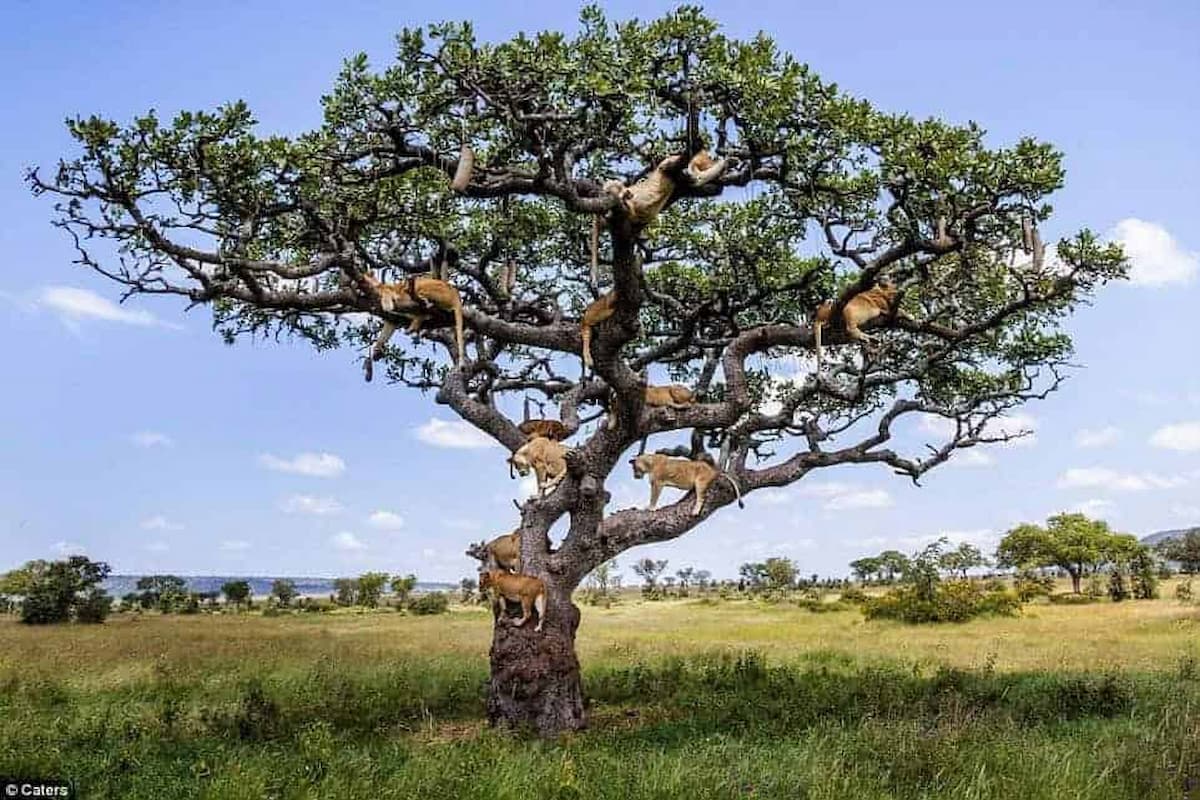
(1118, 588)
(649, 571)
(1185, 549)
(468, 587)
(1143, 574)
(58, 591)
(370, 588)
(237, 593)
(345, 591)
(1031, 583)
(1071, 542)
(853, 594)
(402, 587)
(602, 584)
(284, 591)
(429, 603)
(1183, 591)
(946, 601)
(962, 559)
(166, 593)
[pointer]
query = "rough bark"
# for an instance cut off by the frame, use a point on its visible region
(535, 679)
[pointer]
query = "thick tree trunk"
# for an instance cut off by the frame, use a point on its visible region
(535, 680)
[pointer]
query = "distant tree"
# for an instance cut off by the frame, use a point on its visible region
(370, 588)
(685, 577)
(779, 573)
(703, 579)
(752, 575)
(468, 586)
(602, 580)
(237, 593)
(922, 571)
(167, 593)
(57, 591)
(648, 570)
(865, 568)
(892, 564)
(402, 587)
(284, 591)
(1143, 574)
(1071, 542)
(345, 591)
(1185, 549)
(962, 559)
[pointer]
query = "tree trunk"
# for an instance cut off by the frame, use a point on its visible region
(1076, 575)
(535, 680)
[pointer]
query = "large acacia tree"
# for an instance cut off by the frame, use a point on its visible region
(823, 195)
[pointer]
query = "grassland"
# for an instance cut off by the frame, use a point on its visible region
(689, 699)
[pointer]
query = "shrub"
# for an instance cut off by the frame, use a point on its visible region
(951, 601)
(1030, 584)
(854, 594)
(1067, 599)
(1183, 591)
(431, 603)
(93, 607)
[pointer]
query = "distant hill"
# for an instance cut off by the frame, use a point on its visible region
(118, 585)
(1156, 538)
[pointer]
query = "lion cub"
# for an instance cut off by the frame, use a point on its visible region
(682, 473)
(530, 591)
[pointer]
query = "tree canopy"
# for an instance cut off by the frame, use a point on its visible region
(1071, 542)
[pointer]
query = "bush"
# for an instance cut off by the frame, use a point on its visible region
(854, 594)
(1118, 590)
(93, 607)
(1183, 591)
(431, 603)
(953, 601)
(1030, 584)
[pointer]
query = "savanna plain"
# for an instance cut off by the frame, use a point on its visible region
(695, 698)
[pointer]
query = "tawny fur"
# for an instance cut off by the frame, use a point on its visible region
(682, 473)
(397, 298)
(548, 428)
(505, 552)
(861, 309)
(546, 458)
(530, 591)
(462, 173)
(593, 315)
(674, 395)
(644, 200)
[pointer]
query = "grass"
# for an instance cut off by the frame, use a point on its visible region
(689, 699)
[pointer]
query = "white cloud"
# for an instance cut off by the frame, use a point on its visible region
(386, 520)
(234, 545)
(74, 305)
(1097, 437)
(458, 434)
(315, 465)
(157, 547)
(1095, 507)
(827, 489)
(160, 523)
(151, 439)
(1183, 436)
(347, 541)
(971, 457)
(308, 504)
(1156, 258)
(866, 498)
(69, 549)
(1114, 481)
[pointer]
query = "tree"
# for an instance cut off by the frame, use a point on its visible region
(284, 590)
(962, 559)
(167, 593)
(468, 587)
(648, 570)
(276, 235)
(780, 573)
(370, 588)
(703, 578)
(237, 593)
(864, 568)
(603, 579)
(685, 576)
(402, 587)
(57, 591)
(1185, 549)
(345, 591)
(1071, 542)
(892, 564)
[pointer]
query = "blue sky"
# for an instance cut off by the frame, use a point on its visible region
(133, 433)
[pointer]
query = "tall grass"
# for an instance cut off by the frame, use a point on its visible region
(255, 708)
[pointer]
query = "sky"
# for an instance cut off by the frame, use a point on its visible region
(131, 433)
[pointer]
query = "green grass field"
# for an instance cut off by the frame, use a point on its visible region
(690, 699)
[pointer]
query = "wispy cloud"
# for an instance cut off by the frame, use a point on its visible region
(846, 497)
(457, 434)
(314, 465)
(386, 520)
(1182, 436)
(149, 439)
(74, 305)
(308, 504)
(347, 542)
(1155, 257)
(69, 549)
(1095, 507)
(1115, 481)
(159, 523)
(1097, 437)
